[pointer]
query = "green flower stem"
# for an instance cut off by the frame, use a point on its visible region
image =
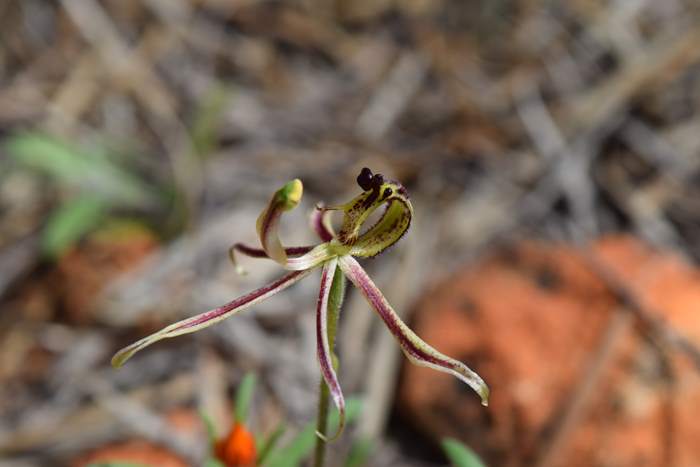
(321, 424)
(335, 302)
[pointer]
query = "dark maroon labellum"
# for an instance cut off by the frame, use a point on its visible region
(365, 179)
(377, 181)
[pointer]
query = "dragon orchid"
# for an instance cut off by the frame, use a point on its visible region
(335, 255)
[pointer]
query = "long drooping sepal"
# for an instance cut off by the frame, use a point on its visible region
(323, 346)
(321, 223)
(416, 350)
(211, 317)
(260, 253)
(284, 199)
(390, 227)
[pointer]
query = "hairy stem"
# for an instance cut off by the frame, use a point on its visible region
(335, 302)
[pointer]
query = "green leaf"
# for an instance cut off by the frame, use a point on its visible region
(211, 462)
(211, 431)
(267, 446)
(35, 151)
(244, 395)
(301, 446)
(207, 119)
(77, 168)
(461, 455)
(359, 454)
(70, 222)
(297, 449)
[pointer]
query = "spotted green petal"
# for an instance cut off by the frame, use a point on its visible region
(208, 318)
(389, 229)
(284, 199)
(415, 349)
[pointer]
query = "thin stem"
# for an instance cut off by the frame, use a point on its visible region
(321, 424)
(335, 302)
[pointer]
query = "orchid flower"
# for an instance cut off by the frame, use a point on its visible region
(338, 250)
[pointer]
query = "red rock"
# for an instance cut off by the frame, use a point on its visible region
(136, 451)
(529, 321)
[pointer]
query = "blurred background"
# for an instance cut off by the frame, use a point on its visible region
(552, 154)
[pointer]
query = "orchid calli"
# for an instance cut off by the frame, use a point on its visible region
(338, 251)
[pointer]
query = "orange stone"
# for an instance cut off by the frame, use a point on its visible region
(135, 452)
(530, 319)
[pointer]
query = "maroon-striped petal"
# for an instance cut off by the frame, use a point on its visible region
(307, 260)
(320, 222)
(415, 349)
(211, 317)
(260, 253)
(318, 255)
(284, 199)
(323, 349)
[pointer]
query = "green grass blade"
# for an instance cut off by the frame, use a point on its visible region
(75, 167)
(267, 446)
(244, 395)
(70, 222)
(117, 464)
(301, 446)
(208, 118)
(460, 455)
(211, 462)
(360, 452)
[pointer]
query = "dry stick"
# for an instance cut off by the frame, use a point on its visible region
(640, 70)
(74, 96)
(67, 434)
(657, 150)
(661, 61)
(392, 96)
(16, 260)
(205, 35)
(173, 135)
(600, 108)
(95, 25)
(570, 163)
(128, 66)
(148, 424)
(575, 408)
